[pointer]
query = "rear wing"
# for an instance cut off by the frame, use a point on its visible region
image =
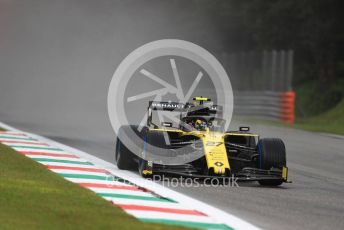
(187, 109)
(167, 106)
(181, 107)
(164, 106)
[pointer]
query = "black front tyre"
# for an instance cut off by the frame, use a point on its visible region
(272, 154)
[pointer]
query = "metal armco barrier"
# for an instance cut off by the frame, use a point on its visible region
(265, 104)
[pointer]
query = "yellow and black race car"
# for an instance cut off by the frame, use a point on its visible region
(198, 146)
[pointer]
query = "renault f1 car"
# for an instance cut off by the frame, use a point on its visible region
(200, 131)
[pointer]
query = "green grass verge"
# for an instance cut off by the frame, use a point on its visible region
(32, 197)
(314, 98)
(331, 121)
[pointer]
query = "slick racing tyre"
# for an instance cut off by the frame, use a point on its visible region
(124, 157)
(272, 154)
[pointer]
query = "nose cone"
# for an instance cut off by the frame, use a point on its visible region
(215, 152)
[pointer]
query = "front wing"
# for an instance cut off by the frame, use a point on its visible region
(246, 174)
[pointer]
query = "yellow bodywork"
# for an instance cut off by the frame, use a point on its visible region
(285, 173)
(215, 152)
(147, 172)
(214, 147)
(201, 99)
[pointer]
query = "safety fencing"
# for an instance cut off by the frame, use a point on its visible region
(262, 83)
(260, 71)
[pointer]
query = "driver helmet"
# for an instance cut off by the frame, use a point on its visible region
(200, 125)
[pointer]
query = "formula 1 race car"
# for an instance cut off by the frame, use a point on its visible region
(200, 131)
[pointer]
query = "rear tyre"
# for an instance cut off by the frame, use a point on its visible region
(155, 148)
(272, 154)
(124, 157)
(156, 139)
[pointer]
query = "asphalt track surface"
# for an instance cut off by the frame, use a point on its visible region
(57, 60)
